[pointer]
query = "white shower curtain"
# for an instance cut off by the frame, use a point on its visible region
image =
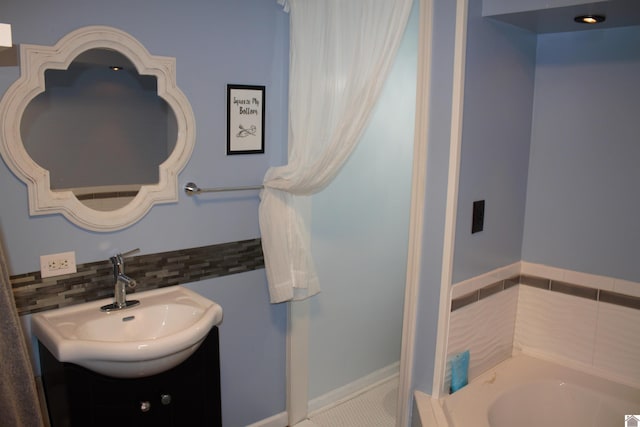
(340, 54)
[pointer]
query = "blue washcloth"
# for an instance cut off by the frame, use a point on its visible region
(459, 371)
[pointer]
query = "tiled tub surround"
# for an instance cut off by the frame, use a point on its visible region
(589, 322)
(94, 280)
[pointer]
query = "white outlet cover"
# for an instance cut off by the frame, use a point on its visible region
(5, 36)
(65, 263)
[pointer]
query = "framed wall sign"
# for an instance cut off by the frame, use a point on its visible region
(245, 119)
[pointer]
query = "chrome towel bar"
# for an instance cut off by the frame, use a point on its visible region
(192, 188)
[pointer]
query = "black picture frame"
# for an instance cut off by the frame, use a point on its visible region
(245, 119)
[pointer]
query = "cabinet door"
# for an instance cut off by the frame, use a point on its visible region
(187, 395)
(108, 403)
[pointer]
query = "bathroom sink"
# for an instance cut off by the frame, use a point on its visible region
(161, 332)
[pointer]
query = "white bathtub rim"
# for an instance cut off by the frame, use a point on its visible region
(432, 411)
(575, 365)
(507, 374)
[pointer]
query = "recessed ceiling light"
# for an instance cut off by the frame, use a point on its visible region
(115, 67)
(589, 19)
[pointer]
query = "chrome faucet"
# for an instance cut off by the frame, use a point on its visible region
(122, 282)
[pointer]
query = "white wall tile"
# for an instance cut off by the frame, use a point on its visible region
(485, 329)
(617, 346)
(599, 335)
(555, 324)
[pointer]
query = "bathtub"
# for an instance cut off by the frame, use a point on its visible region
(527, 392)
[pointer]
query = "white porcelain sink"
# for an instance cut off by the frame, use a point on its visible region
(161, 332)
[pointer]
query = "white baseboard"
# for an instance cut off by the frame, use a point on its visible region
(353, 389)
(278, 420)
(337, 396)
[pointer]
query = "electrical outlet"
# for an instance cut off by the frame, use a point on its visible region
(57, 264)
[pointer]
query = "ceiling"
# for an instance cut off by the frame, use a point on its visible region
(619, 13)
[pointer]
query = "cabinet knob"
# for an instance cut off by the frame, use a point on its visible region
(165, 399)
(145, 406)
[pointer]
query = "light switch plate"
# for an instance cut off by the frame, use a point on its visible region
(477, 221)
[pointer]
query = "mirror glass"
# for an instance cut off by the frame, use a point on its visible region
(100, 129)
(97, 128)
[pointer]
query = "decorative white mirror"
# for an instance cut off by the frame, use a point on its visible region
(97, 128)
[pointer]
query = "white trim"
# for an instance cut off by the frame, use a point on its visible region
(430, 412)
(353, 389)
(452, 197)
(588, 280)
(298, 322)
(34, 60)
(416, 221)
(542, 270)
(278, 420)
(477, 282)
(626, 287)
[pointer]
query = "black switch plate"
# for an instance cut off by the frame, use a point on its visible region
(477, 221)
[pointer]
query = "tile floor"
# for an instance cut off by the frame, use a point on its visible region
(373, 408)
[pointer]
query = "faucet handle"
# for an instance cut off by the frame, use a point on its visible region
(131, 284)
(128, 253)
(117, 258)
(118, 262)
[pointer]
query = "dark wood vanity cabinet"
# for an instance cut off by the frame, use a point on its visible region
(187, 395)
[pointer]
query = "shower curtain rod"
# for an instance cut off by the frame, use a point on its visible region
(192, 188)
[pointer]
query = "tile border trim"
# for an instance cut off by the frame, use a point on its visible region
(551, 285)
(484, 292)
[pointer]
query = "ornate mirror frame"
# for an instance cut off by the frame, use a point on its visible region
(34, 61)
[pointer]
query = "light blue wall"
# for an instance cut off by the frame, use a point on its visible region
(499, 78)
(252, 349)
(215, 42)
(360, 232)
(582, 199)
(498, 103)
(550, 142)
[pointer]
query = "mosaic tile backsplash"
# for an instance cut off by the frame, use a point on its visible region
(95, 281)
